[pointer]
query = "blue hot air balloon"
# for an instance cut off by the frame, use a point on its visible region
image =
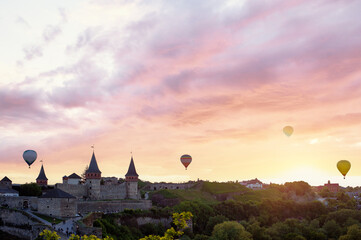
(30, 156)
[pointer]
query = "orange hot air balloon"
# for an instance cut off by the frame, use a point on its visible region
(186, 160)
(343, 166)
(288, 130)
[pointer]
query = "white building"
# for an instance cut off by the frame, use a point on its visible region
(254, 184)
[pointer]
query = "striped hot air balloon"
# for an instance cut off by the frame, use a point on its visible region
(186, 160)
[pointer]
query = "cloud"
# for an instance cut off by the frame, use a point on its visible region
(51, 32)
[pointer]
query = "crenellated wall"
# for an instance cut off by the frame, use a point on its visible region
(117, 191)
(112, 206)
(79, 191)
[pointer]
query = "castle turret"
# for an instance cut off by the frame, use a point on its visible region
(131, 179)
(42, 180)
(93, 176)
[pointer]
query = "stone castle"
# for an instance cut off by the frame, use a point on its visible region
(76, 196)
(94, 188)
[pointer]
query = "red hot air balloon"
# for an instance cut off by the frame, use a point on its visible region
(186, 160)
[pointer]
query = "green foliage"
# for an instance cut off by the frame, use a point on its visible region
(30, 189)
(201, 237)
(332, 229)
(49, 235)
(180, 220)
(260, 195)
(325, 193)
(218, 188)
(353, 233)
(300, 188)
(141, 184)
(258, 232)
(230, 230)
(185, 195)
(200, 211)
(213, 221)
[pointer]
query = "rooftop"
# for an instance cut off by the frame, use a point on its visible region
(93, 167)
(56, 193)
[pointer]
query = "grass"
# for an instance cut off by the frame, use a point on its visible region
(219, 188)
(48, 218)
(186, 195)
(259, 195)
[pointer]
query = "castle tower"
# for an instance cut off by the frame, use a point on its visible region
(6, 183)
(131, 179)
(42, 180)
(93, 176)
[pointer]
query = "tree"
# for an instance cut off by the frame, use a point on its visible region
(49, 235)
(30, 189)
(332, 229)
(353, 233)
(180, 220)
(83, 175)
(213, 221)
(230, 230)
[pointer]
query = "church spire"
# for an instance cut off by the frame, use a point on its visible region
(93, 170)
(132, 174)
(42, 179)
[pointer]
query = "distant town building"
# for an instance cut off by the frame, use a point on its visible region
(254, 184)
(5, 183)
(332, 187)
(6, 188)
(42, 180)
(72, 179)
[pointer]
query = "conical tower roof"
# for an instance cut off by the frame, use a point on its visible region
(131, 170)
(42, 175)
(93, 166)
(5, 179)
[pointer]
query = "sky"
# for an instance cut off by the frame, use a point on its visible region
(217, 80)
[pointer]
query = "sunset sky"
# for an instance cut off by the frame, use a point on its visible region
(217, 80)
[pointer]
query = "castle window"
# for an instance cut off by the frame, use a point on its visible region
(47, 206)
(90, 181)
(90, 188)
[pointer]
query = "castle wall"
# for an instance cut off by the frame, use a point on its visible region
(132, 190)
(74, 181)
(20, 224)
(93, 188)
(113, 191)
(58, 207)
(21, 202)
(159, 186)
(112, 206)
(79, 191)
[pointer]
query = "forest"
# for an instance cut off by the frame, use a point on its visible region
(285, 212)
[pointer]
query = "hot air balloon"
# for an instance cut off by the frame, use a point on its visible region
(343, 166)
(29, 156)
(288, 130)
(186, 160)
